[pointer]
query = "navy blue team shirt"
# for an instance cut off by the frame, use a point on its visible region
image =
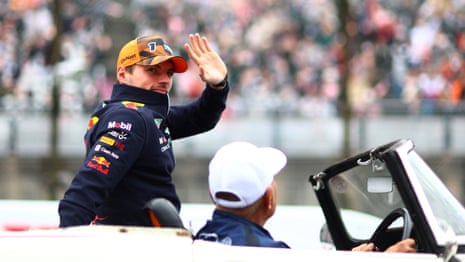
(129, 155)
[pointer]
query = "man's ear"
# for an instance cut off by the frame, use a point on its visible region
(269, 199)
(121, 74)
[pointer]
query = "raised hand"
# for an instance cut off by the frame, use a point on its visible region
(212, 69)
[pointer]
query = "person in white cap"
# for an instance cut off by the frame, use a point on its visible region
(243, 188)
(129, 156)
(241, 183)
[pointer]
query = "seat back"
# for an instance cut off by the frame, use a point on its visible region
(163, 213)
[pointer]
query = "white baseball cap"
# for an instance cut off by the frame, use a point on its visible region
(245, 170)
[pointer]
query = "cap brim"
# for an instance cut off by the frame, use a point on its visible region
(179, 63)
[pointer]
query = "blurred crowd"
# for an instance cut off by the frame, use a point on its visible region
(285, 57)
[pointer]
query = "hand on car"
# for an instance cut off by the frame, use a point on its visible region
(365, 247)
(404, 246)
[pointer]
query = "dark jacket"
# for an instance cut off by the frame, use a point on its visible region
(129, 156)
(229, 229)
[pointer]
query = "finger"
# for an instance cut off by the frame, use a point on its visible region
(193, 44)
(409, 249)
(206, 44)
(202, 75)
(364, 247)
(200, 43)
(371, 246)
(189, 51)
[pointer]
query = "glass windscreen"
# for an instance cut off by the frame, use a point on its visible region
(365, 195)
(445, 207)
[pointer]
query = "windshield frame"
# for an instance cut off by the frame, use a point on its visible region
(404, 152)
(395, 157)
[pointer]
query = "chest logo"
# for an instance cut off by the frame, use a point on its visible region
(157, 122)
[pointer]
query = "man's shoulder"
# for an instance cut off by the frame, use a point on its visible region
(116, 114)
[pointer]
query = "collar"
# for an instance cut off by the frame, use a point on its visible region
(223, 214)
(122, 92)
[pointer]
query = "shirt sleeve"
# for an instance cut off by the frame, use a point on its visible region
(198, 116)
(114, 144)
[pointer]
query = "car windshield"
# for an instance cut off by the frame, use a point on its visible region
(445, 208)
(362, 202)
(366, 194)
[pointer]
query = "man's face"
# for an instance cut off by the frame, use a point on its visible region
(156, 78)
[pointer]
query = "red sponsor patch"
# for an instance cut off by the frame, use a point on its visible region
(100, 164)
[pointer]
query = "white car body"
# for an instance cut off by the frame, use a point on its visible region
(298, 226)
(360, 199)
(113, 243)
(29, 233)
